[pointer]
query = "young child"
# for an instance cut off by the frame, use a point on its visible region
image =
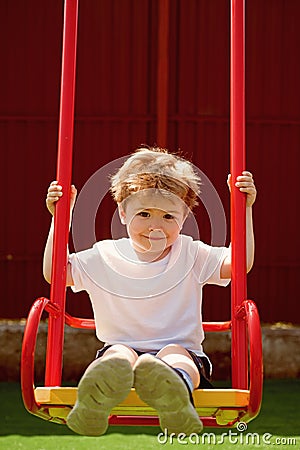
(146, 293)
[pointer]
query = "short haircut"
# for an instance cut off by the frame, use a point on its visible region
(155, 167)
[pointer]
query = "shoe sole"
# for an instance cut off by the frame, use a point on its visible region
(158, 385)
(101, 388)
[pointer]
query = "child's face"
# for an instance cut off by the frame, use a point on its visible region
(153, 222)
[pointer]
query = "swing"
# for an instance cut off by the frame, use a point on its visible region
(216, 407)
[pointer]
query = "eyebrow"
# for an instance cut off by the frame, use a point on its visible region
(165, 211)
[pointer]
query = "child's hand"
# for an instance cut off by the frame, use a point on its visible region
(55, 193)
(245, 183)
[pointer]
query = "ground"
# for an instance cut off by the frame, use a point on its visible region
(277, 426)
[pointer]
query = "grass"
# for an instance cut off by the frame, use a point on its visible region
(277, 424)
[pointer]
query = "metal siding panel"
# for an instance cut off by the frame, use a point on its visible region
(290, 63)
(30, 52)
(115, 112)
(272, 41)
(95, 62)
(212, 58)
(277, 238)
(140, 64)
(186, 53)
(201, 62)
(26, 168)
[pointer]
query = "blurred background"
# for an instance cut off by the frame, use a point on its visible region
(119, 95)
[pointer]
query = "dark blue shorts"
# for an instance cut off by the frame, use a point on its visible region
(201, 362)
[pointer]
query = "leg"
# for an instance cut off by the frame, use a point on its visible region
(120, 350)
(158, 385)
(179, 358)
(105, 383)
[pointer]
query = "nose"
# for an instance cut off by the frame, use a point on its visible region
(155, 224)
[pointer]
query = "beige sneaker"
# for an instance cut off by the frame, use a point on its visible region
(158, 385)
(105, 383)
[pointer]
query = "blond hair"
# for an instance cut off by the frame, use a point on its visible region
(155, 167)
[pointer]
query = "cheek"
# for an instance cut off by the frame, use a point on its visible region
(174, 230)
(135, 226)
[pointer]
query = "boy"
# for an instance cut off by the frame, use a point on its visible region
(146, 293)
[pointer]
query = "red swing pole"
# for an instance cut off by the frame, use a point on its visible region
(239, 352)
(163, 72)
(62, 210)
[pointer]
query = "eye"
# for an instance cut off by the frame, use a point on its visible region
(168, 216)
(143, 214)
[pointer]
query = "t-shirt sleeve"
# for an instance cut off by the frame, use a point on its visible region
(80, 271)
(76, 273)
(210, 260)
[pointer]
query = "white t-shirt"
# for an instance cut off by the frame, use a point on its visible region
(148, 305)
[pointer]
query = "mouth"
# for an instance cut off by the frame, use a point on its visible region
(155, 238)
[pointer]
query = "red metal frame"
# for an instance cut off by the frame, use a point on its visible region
(238, 214)
(246, 313)
(62, 214)
(251, 318)
(244, 324)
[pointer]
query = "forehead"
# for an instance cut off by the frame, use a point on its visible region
(155, 199)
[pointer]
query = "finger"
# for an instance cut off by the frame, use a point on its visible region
(55, 188)
(247, 173)
(52, 200)
(54, 184)
(248, 189)
(245, 178)
(244, 182)
(52, 195)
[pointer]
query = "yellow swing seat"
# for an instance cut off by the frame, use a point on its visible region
(60, 400)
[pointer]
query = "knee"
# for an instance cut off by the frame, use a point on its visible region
(122, 351)
(170, 349)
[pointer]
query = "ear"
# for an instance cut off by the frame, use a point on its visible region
(182, 223)
(186, 214)
(122, 215)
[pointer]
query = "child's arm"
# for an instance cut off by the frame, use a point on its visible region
(54, 194)
(245, 184)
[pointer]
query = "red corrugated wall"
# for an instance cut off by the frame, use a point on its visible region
(116, 111)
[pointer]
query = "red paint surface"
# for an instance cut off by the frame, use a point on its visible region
(116, 110)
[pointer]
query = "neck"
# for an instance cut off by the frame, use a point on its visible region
(151, 256)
